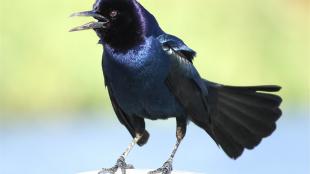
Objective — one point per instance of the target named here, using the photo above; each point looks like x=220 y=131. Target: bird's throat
x=123 y=41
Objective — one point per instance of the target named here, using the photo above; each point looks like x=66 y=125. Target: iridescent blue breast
x=137 y=79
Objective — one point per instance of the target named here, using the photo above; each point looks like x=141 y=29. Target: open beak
x=102 y=21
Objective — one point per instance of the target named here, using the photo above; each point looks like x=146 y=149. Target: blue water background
x=94 y=140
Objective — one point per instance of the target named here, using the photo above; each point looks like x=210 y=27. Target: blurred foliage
x=43 y=67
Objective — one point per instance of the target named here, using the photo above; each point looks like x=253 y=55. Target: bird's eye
x=113 y=13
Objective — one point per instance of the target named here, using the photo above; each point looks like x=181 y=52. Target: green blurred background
x=44 y=68
x=56 y=117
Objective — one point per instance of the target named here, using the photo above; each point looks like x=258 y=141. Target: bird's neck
x=131 y=58
x=123 y=41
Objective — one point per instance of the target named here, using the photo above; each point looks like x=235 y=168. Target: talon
x=165 y=169
x=111 y=170
x=120 y=164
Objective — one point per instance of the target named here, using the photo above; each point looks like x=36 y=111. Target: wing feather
x=183 y=79
x=134 y=124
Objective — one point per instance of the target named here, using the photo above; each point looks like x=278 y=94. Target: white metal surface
x=139 y=171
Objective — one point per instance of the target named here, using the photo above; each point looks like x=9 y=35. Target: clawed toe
x=109 y=170
x=165 y=169
x=120 y=164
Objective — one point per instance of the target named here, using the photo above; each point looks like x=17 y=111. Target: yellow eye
x=113 y=13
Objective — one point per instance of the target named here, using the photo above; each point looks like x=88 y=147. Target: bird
x=149 y=74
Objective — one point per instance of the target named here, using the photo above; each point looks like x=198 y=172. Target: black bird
x=150 y=74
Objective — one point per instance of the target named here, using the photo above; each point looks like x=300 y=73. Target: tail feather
x=252 y=119
x=241 y=134
x=241 y=116
x=260 y=111
x=252 y=97
x=266 y=88
x=229 y=145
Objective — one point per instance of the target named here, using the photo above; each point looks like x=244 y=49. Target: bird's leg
x=120 y=163
x=180 y=133
x=167 y=166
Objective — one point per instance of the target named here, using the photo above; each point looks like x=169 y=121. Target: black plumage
x=150 y=74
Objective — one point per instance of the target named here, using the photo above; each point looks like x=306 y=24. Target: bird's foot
x=165 y=169
x=120 y=164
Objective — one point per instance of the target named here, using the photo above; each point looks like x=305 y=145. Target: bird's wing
x=134 y=124
x=191 y=91
x=183 y=79
x=178 y=46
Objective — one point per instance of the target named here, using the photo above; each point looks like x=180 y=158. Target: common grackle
x=149 y=74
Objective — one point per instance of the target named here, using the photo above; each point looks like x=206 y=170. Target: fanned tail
x=241 y=116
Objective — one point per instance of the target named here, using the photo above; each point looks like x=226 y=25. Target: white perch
x=139 y=171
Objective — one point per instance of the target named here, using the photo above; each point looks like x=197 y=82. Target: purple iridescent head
x=119 y=22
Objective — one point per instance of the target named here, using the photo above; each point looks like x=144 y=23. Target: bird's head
x=119 y=22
